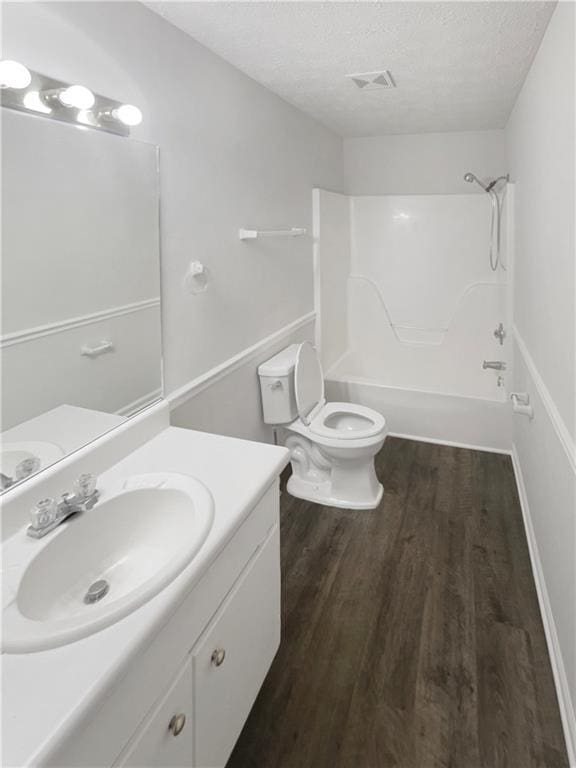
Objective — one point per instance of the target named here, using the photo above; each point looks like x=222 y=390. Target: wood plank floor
x=411 y=634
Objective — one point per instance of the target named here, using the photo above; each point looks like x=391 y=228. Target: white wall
x=541 y=151
x=231 y=155
x=428 y=163
x=228 y=401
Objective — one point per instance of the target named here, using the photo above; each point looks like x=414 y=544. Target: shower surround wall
x=419 y=304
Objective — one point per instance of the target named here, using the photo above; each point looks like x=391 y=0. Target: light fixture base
x=31 y=100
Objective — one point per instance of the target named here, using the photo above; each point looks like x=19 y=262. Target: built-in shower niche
x=420 y=305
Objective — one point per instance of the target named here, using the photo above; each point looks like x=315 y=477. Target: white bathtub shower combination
x=407 y=306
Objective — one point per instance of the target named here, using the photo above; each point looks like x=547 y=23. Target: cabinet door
x=233 y=655
x=166 y=737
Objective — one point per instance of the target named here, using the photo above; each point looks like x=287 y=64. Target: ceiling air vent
x=370 y=81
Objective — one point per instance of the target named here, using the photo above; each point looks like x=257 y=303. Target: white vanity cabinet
x=234 y=654
x=197 y=722
x=185 y=697
x=166 y=737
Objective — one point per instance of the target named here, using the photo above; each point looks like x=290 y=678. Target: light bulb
x=77 y=96
x=33 y=101
x=14 y=75
x=128 y=114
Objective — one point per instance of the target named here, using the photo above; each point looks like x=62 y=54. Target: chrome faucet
x=495 y=365
x=48 y=513
x=23 y=469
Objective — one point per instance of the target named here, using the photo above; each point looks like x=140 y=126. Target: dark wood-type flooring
x=411 y=634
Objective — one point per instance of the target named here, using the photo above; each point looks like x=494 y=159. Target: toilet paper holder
x=521 y=404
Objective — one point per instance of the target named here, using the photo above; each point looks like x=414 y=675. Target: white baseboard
x=558 y=670
x=451 y=443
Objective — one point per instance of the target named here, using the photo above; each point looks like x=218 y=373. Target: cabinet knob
x=176 y=725
x=218 y=657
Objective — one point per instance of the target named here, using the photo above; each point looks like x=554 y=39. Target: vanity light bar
x=32 y=92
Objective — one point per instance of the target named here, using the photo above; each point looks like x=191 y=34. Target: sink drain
x=96 y=591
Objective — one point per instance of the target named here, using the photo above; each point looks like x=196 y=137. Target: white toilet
x=332 y=444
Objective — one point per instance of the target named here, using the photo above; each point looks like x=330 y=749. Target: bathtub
x=431 y=416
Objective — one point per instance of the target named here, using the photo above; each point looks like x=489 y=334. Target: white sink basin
x=137 y=540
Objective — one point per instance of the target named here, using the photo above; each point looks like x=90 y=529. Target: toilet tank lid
x=282 y=364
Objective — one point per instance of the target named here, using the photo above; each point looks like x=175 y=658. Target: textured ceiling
x=458 y=66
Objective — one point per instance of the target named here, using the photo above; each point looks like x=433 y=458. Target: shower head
x=469 y=177
x=492 y=184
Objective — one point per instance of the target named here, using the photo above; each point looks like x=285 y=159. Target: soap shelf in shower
x=254 y=234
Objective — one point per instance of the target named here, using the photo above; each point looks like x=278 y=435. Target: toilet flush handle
x=276 y=384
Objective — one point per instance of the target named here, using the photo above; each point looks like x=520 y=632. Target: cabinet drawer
x=166 y=737
x=233 y=655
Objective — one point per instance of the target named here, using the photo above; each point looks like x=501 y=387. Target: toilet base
x=336 y=475
x=321 y=493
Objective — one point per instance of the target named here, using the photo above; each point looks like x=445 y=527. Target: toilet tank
x=277 y=386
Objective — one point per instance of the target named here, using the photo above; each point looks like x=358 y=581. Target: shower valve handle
x=500 y=333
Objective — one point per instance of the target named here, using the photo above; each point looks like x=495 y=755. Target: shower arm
x=471 y=177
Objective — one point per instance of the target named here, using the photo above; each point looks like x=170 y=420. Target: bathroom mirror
x=81 y=341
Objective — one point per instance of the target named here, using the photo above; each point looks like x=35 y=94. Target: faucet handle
x=85 y=486
x=27 y=467
x=43 y=514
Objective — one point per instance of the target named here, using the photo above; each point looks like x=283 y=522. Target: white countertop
x=45 y=693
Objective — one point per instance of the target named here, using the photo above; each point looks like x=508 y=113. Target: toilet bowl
x=332 y=445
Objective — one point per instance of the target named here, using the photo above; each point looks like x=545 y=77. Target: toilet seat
x=336 y=439
x=347 y=421
x=329 y=422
